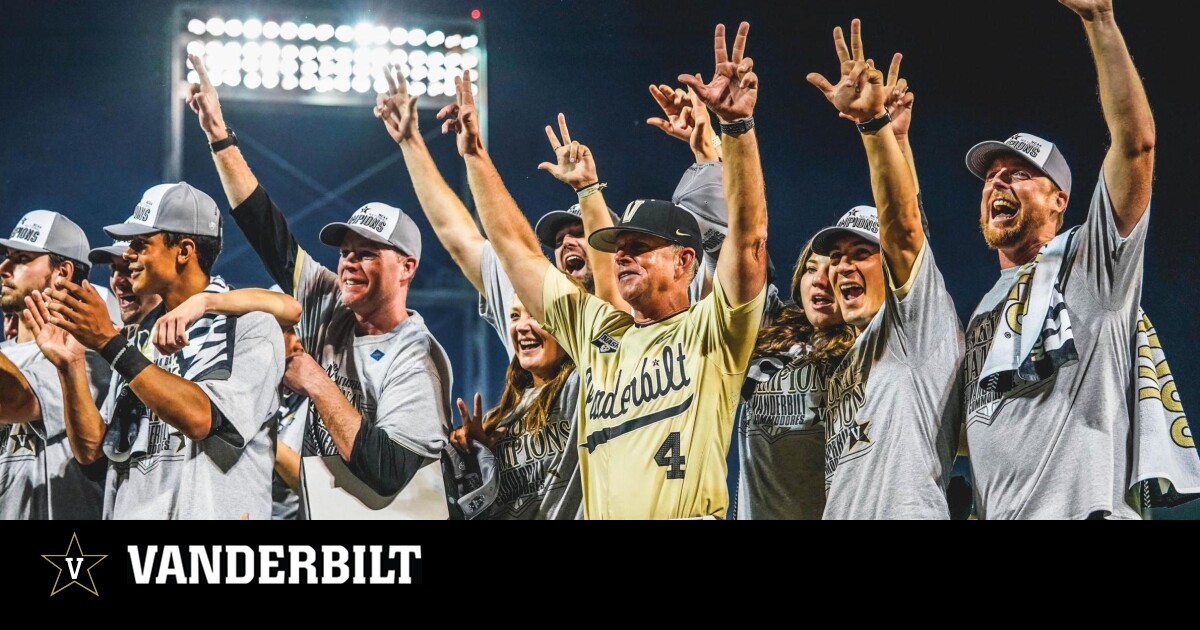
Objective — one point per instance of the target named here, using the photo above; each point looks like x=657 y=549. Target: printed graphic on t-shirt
x=847 y=437
x=317 y=439
x=980 y=403
x=784 y=403
x=18 y=442
x=524 y=461
x=209 y=356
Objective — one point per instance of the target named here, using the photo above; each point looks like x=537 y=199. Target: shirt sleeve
x=497 y=296
x=247 y=395
x=1111 y=265
x=728 y=334
x=919 y=311
x=410 y=408
x=574 y=316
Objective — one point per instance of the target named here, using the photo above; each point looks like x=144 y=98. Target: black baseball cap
x=655 y=217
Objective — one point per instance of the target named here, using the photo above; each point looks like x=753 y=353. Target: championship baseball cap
x=548 y=226
x=103 y=255
x=655 y=217
x=178 y=208
x=1037 y=151
x=48 y=232
x=860 y=221
x=381 y=223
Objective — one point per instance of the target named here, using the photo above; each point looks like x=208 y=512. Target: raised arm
x=170 y=331
x=446 y=213
x=732 y=94
x=80 y=311
x=576 y=167
x=84 y=425
x=236 y=178
x=511 y=235
x=1129 y=164
x=860 y=95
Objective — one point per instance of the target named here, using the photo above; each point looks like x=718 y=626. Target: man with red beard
x=1050 y=432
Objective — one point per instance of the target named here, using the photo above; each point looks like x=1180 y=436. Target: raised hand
x=397 y=109
x=79 y=310
x=1088 y=9
x=462 y=118
x=733 y=90
x=472 y=428
x=170 y=331
x=687 y=119
x=900 y=104
x=576 y=167
x=204 y=102
x=860 y=94
x=59 y=347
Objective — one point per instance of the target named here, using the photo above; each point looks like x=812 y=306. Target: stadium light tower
x=275 y=55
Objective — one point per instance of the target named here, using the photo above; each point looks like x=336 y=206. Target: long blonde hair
x=517 y=380
x=790 y=326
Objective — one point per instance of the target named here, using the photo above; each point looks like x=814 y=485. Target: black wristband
x=875 y=124
x=737 y=127
x=124 y=358
x=224 y=143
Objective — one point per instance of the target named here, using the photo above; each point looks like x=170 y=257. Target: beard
x=10 y=302
x=1015 y=234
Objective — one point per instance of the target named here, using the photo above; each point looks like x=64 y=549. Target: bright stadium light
x=314 y=58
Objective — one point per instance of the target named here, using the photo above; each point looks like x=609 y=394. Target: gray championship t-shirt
x=228 y=473
x=399 y=381
x=781 y=437
x=539 y=472
x=1059 y=448
x=892 y=406
x=39 y=477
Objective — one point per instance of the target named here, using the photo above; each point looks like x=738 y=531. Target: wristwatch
x=225 y=143
x=875 y=124
x=737 y=127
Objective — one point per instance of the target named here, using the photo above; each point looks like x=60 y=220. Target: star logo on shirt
x=859 y=436
x=23 y=439
x=77 y=565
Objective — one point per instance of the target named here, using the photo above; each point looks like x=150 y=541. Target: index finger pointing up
x=201 y=71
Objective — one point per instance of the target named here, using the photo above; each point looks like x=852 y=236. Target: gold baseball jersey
x=657 y=400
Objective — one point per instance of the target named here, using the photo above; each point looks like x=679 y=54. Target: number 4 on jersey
x=664 y=457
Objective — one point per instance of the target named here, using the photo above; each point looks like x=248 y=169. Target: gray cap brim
x=548 y=226
x=126 y=231
x=22 y=246
x=605 y=239
x=334 y=233
x=822 y=241
x=104 y=255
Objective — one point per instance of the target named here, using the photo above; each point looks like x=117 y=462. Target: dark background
x=85 y=99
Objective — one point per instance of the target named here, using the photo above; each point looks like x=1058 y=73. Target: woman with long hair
x=532 y=431
x=781 y=431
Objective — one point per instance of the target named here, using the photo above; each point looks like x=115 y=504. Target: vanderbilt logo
x=655 y=378
x=631 y=210
x=605 y=343
x=76 y=565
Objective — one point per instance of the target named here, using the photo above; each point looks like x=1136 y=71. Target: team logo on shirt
x=527 y=458
x=17 y=440
x=847 y=436
x=605 y=343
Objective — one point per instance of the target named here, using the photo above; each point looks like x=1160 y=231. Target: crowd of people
x=638 y=351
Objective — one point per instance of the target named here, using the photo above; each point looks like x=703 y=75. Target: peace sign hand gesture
x=733 y=90
x=861 y=93
x=472 y=428
x=396 y=108
x=576 y=167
